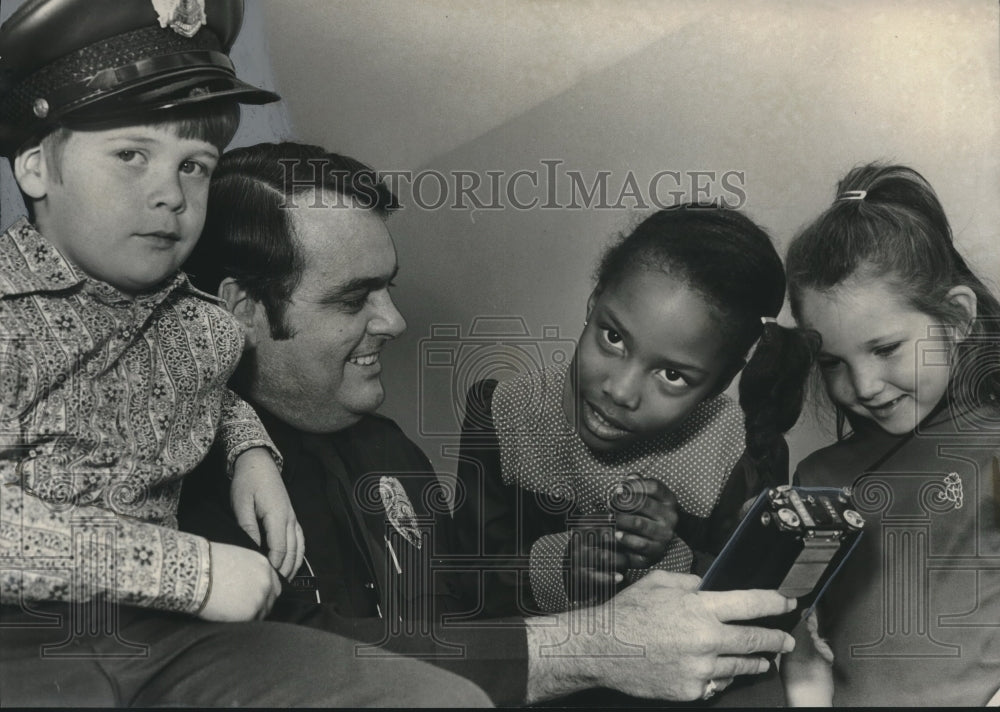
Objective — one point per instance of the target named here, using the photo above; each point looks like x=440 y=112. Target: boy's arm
x=257 y=492
x=66 y=552
x=240 y=430
x=59 y=552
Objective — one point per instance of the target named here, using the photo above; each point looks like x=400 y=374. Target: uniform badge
x=185 y=17
x=398 y=509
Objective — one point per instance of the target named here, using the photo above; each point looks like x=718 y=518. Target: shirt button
x=370 y=586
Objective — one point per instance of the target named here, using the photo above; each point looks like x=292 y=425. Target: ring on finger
x=710 y=688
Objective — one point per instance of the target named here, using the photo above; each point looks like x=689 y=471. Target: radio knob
x=789 y=517
x=853 y=519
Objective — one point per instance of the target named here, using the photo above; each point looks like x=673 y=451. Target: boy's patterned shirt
x=106 y=402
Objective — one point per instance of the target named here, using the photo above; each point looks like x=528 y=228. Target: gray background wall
x=791 y=94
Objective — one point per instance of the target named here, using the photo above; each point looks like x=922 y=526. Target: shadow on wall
x=784 y=113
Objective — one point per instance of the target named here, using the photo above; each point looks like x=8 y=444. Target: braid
x=772 y=391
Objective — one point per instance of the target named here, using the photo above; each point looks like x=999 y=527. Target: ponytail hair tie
x=853 y=195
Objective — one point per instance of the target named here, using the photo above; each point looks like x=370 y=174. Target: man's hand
x=257 y=493
x=244 y=586
x=660 y=638
x=645 y=515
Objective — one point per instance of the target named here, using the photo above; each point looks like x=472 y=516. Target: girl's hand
x=807 y=672
x=595 y=568
x=645 y=516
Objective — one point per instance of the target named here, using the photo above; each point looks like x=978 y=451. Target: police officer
x=99 y=608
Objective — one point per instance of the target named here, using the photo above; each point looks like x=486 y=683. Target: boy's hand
x=645 y=515
x=257 y=493
x=244 y=586
x=595 y=568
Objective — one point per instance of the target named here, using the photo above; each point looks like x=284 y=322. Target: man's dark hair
x=248 y=233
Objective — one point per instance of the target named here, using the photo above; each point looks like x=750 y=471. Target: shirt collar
x=29 y=263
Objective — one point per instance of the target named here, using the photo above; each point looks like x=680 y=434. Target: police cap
x=81 y=62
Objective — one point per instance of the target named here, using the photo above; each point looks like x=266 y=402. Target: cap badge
x=185 y=17
x=40 y=108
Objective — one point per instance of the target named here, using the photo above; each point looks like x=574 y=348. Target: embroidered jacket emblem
x=399 y=509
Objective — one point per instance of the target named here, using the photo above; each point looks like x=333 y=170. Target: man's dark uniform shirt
x=363 y=576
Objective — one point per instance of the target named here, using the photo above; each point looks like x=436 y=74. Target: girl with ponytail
x=630 y=456
x=910 y=358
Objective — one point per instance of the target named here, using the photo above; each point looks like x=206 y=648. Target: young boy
x=112 y=379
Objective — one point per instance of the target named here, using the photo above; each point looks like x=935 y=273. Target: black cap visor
x=155 y=83
x=141 y=101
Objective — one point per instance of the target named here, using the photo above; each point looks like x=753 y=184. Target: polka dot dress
x=540 y=452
